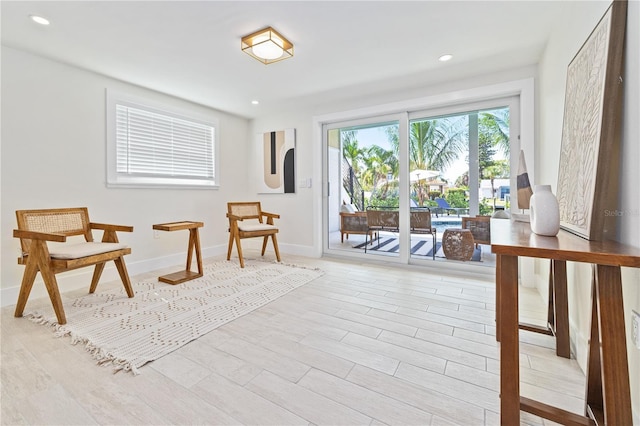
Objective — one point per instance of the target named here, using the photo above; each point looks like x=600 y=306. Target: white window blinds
x=151 y=144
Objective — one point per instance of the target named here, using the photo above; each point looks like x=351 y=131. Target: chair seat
x=244 y=227
x=79 y=250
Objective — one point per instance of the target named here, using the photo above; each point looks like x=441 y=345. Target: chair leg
x=97 y=273
x=265 y=239
x=124 y=275
x=39 y=260
x=30 y=272
x=230 y=246
x=275 y=246
x=54 y=294
x=433 y=252
x=366 y=241
x=237 y=238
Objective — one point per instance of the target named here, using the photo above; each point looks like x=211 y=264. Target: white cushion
x=347 y=208
x=501 y=214
x=84 y=249
x=248 y=227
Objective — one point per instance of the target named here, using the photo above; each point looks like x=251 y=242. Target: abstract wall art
x=276 y=162
x=589 y=154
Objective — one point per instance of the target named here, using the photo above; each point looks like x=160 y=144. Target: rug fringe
x=102 y=357
x=294 y=265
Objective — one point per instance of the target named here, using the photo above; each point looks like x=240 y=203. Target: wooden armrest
x=108 y=227
x=32 y=235
x=273 y=215
x=234 y=217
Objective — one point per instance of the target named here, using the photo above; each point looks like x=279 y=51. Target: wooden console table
x=608 y=396
x=194 y=245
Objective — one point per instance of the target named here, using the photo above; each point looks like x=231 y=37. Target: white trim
x=113 y=180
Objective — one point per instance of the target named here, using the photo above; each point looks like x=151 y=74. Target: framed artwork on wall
x=276 y=162
x=589 y=155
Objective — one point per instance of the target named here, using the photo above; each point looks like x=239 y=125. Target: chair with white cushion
x=246 y=220
x=43 y=239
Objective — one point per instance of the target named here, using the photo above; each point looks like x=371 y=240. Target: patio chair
x=381 y=220
x=353 y=222
x=246 y=221
x=420 y=222
x=443 y=206
x=480 y=227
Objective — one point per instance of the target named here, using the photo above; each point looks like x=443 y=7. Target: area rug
x=419 y=247
x=130 y=332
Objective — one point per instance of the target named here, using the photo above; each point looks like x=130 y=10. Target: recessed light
x=255 y=102
x=445 y=58
x=39 y=19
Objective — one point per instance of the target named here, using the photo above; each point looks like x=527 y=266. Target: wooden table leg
x=560 y=297
x=509 y=345
x=194 y=246
x=498 y=273
x=615 y=392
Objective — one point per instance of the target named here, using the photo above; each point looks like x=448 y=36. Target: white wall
x=581 y=18
x=53 y=155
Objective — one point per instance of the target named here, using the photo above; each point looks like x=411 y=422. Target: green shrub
x=434 y=194
x=457 y=197
x=485 y=208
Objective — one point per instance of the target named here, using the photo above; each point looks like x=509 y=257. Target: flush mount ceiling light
x=445 y=58
x=39 y=19
x=267 y=46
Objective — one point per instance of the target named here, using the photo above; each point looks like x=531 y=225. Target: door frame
x=523 y=88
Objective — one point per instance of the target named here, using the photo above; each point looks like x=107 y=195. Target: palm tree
x=350 y=149
x=499 y=169
x=436 y=144
x=433 y=144
x=494 y=125
x=381 y=163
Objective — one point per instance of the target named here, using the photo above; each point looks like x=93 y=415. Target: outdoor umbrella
x=419 y=174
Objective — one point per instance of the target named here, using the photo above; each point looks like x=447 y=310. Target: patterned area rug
x=161 y=318
x=419 y=247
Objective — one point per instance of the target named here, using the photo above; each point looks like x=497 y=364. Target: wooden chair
x=353 y=222
x=381 y=220
x=420 y=222
x=38 y=230
x=480 y=227
x=246 y=221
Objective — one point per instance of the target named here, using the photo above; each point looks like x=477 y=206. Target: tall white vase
x=544 y=211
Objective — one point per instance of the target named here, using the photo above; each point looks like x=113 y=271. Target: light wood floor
x=364 y=344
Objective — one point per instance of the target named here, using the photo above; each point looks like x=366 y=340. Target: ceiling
x=191 y=49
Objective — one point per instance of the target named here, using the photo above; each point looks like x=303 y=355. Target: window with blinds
x=151 y=148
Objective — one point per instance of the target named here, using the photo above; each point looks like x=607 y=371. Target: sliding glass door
x=394 y=179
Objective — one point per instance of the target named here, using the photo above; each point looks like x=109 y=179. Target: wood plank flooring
x=365 y=344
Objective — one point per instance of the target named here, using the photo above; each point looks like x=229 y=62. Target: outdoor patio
x=421 y=245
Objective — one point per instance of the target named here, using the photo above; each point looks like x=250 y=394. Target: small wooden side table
x=194 y=245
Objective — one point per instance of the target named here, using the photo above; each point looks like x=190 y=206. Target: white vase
x=544 y=211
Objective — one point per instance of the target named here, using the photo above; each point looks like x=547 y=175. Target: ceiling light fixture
x=267 y=46
x=445 y=58
x=39 y=19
